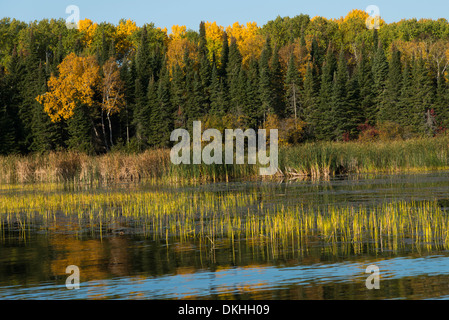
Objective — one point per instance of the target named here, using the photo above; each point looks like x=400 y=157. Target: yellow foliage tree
x=214 y=38
x=248 y=38
x=124 y=40
x=87 y=28
x=177 y=46
x=76 y=84
x=178 y=32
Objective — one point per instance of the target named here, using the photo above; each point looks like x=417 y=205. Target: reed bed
x=314 y=160
x=218 y=220
x=331 y=158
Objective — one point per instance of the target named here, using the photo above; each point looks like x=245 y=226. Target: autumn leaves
x=78 y=82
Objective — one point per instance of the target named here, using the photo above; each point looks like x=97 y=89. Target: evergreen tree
x=380 y=74
x=46 y=134
x=422 y=99
x=310 y=100
x=293 y=83
x=233 y=70
x=80 y=127
x=224 y=57
x=405 y=98
x=7 y=131
x=324 y=128
x=344 y=94
x=277 y=85
x=265 y=81
x=217 y=94
x=162 y=115
x=365 y=82
x=389 y=107
x=252 y=111
x=442 y=104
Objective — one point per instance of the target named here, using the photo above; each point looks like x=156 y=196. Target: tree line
x=102 y=87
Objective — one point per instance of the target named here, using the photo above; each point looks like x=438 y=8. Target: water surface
x=118 y=259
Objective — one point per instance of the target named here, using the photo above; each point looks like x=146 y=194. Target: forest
x=103 y=87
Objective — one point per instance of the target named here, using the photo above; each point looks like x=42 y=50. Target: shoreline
x=309 y=161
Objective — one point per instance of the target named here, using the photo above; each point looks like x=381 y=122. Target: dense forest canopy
x=102 y=86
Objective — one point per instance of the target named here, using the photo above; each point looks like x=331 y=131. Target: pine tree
x=405 y=99
x=277 y=85
x=217 y=94
x=310 y=100
x=7 y=131
x=178 y=96
x=265 y=81
x=141 y=113
x=233 y=70
x=324 y=128
x=224 y=59
x=293 y=84
x=14 y=80
x=422 y=99
x=389 y=107
x=143 y=61
x=380 y=74
x=46 y=134
x=252 y=111
x=162 y=115
x=344 y=94
x=80 y=127
x=365 y=82
x=442 y=104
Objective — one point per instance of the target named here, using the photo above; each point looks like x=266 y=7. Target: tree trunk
x=104 y=130
x=110 y=129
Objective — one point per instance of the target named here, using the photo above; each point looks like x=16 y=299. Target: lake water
x=118 y=259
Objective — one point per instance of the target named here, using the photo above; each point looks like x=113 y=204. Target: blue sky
x=192 y=12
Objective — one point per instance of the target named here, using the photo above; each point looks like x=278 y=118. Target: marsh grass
x=312 y=160
x=213 y=221
x=331 y=158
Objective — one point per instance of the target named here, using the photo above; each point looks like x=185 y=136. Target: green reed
x=218 y=220
x=315 y=160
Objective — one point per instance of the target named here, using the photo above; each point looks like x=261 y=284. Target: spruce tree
x=253 y=111
x=405 y=98
x=324 y=127
x=293 y=85
x=310 y=100
x=162 y=115
x=365 y=82
x=389 y=107
x=233 y=70
x=217 y=94
x=46 y=134
x=343 y=117
x=224 y=59
x=422 y=99
x=265 y=81
x=277 y=85
x=380 y=74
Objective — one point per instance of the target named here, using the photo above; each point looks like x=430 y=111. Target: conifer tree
x=277 y=85
x=380 y=74
x=365 y=82
x=293 y=84
x=265 y=81
x=389 y=107
x=324 y=128
x=233 y=70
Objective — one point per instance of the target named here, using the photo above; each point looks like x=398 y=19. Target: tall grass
x=331 y=158
x=215 y=220
x=315 y=160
